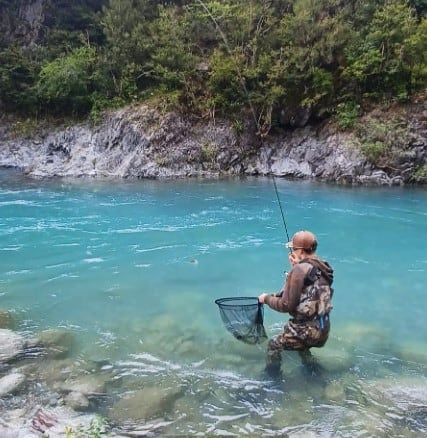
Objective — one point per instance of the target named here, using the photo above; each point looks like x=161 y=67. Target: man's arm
x=291 y=293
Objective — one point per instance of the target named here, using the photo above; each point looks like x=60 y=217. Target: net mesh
x=243 y=317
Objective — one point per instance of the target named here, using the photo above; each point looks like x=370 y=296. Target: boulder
x=77 y=401
x=11 y=383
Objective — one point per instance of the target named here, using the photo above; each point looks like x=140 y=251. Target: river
x=132 y=269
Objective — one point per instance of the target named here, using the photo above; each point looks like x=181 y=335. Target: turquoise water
x=132 y=269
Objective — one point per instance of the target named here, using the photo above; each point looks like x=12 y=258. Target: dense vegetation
x=283 y=62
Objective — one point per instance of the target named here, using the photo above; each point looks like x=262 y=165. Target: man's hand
x=293 y=258
x=261 y=298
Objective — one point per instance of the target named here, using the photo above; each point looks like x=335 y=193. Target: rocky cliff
x=23 y=20
x=142 y=142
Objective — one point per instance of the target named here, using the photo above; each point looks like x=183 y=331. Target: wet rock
x=11 y=432
x=54 y=422
x=77 y=401
x=11 y=345
x=11 y=383
x=16 y=423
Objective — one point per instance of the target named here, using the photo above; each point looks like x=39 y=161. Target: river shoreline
x=142 y=142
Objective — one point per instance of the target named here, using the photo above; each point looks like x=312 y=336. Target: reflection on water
x=132 y=269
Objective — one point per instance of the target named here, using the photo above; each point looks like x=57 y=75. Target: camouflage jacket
x=307 y=292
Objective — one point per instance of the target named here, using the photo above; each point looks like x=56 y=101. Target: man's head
x=303 y=240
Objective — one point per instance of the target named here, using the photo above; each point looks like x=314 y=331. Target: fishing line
x=242 y=82
x=241 y=315
x=281 y=209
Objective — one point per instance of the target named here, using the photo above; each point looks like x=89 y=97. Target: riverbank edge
x=141 y=141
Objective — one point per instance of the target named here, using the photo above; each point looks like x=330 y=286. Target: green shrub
x=238 y=127
x=24 y=128
x=420 y=174
x=209 y=152
x=374 y=151
x=347 y=113
x=162 y=161
x=96 y=429
x=382 y=140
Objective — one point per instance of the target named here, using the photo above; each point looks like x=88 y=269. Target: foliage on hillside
x=284 y=63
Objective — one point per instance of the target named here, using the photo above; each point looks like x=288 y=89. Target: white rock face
x=140 y=142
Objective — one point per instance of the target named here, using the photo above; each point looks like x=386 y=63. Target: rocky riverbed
x=47 y=389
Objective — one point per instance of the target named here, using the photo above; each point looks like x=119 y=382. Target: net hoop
x=237 y=301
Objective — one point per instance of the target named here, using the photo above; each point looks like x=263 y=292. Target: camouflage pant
x=297 y=336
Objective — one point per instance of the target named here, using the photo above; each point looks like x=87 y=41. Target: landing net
x=243 y=317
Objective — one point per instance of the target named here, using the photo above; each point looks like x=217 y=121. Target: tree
x=65 y=84
x=382 y=56
x=172 y=63
x=17 y=75
x=234 y=39
x=312 y=39
x=126 y=25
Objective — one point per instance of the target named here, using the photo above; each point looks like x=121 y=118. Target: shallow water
x=132 y=268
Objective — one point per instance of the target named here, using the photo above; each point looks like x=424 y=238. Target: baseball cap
x=303 y=240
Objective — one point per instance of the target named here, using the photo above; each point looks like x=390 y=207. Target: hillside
x=265 y=73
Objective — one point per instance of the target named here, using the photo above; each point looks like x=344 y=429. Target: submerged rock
x=53 y=371
x=6 y=320
x=146 y=404
x=90 y=384
x=369 y=337
x=335 y=391
x=404 y=392
x=56 y=343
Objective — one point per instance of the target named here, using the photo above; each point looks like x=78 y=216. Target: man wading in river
x=306 y=296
